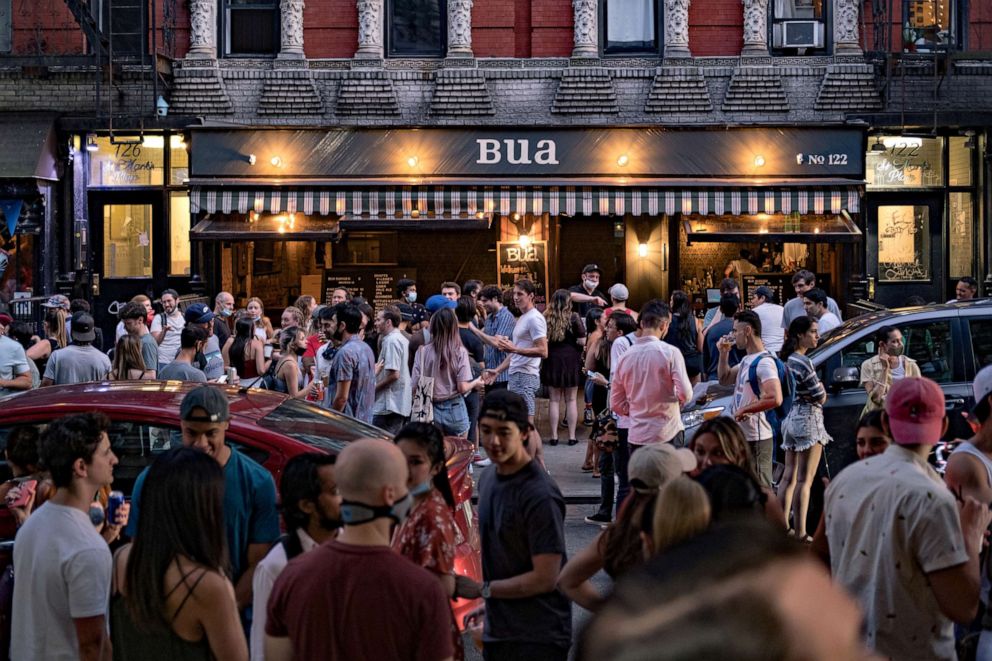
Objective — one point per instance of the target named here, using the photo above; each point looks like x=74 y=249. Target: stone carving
x=586 y=34
x=677 y=28
x=369 y=29
x=202 y=30
x=846 y=38
x=459 y=28
x=755 y=27
x=291 y=36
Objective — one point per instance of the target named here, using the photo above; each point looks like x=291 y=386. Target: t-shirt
x=472 y=344
x=756 y=427
x=898 y=495
x=249 y=508
x=809 y=388
x=529 y=328
x=711 y=352
x=446 y=381
x=827 y=322
x=500 y=323
x=13 y=362
x=181 y=371
x=221 y=330
x=353 y=362
x=355 y=602
x=772 y=333
x=520 y=516
x=63 y=573
x=168 y=348
x=395 y=398
x=149 y=351
x=262 y=581
x=795 y=308
x=583 y=308
x=77 y=363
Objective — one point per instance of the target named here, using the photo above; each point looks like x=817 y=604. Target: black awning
x=791 y=228
x=28 y=147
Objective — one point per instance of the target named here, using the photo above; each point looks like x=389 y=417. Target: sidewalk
x=564 y=462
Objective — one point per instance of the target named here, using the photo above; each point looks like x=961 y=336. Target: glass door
x=905 y=248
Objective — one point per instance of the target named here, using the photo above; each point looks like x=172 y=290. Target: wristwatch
x=485 y=591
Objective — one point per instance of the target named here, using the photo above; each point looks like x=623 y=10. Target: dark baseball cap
x=765 y=293
x=507 y=406
x=82 y=327
x=209 y=399
x=198 y=313
x=592 y=268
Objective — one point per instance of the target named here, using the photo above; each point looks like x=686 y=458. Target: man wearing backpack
x=758 y=390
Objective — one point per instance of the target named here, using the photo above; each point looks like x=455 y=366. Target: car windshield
x=323 y=429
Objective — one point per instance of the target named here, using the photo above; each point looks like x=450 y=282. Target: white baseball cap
x=983 y=388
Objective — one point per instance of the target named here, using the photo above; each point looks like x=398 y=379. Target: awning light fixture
x=276 y=161
x=251 y=159
x=524 y=240
x=623 y=160
x=759 y=161
x=412 y=161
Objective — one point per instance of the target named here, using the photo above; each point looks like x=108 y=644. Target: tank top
x=966 y=447
x=130 y=642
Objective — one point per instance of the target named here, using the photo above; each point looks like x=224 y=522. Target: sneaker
x=599 y=519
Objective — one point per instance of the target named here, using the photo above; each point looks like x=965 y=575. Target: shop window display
x=903 y=243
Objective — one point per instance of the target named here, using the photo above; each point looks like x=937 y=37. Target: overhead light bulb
x=412 y=161
x=759 y=161
x=276 y=161
x=515 y=216
x=623 y=160
x=524 y=240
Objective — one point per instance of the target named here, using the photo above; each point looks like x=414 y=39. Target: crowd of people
x=707 y=551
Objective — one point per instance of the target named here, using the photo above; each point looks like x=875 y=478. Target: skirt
x=803 y=427
x=562 y=367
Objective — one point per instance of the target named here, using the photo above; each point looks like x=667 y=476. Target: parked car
x=267 y=426
x=950 y=342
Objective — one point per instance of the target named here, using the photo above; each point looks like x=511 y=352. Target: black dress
x=693 y=359
x=563 y=365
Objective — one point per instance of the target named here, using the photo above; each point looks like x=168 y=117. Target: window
x=929 y=25
x=179 y=244
x=798 y=25
x=127 y=241
x=127 y=26
x=251 y=27
x=631 y=26
x=981 y=342
x=904 y=162
x=132 y=161
x=416 y=28
x=136 y=444
x=928 y=343
x=5 y=25
x=903 y=243
x=961 y=227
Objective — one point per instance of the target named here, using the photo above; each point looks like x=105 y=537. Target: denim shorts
x=526 y=386
x=452 y=416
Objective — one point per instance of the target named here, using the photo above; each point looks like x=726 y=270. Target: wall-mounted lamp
x=251 y=159
x=515 y=216
x=623 y=160
x=91 y=144
x=878 y=146
x=276 y=161
x=642 y=250
x=759 y=161
x=524 y=240
x=412 y=161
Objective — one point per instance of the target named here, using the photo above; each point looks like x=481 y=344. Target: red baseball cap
x=5 y=319
x=915 y=407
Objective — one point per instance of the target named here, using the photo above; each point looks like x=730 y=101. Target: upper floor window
x=416 y=28
x=930 y=25
x=798 y=25
x=251 y=27
x=631 y=26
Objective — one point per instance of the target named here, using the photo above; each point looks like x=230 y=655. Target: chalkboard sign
x=377 y=285
x=780 y=283
x=516 y=262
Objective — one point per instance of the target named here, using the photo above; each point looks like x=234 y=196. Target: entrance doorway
x=905 y=248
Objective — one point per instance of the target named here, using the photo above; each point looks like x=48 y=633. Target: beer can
x=232 y=374
x=114 y=501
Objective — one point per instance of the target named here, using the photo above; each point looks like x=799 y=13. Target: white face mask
x=411 y=296
x=590 y=284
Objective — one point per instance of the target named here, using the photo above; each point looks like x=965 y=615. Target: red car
x=267 y=426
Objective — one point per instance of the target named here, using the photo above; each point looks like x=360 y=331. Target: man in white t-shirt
x=815 y=302
x=770 y=313
x=167 y=328
x=15 y=371
x=63 y=564
x=749 y=408
x=392 y=381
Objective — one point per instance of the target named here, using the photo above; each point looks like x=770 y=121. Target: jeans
x=761 y=453
x=607 y=483
x=391 y=422
x=473 y=402
x=452 y=416
x=622 y=455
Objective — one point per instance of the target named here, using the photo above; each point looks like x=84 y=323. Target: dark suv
x=949 y=342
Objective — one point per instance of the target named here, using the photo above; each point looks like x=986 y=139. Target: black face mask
x=354 y=513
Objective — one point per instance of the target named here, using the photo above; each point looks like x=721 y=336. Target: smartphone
x=27 y=489
x=222 y=379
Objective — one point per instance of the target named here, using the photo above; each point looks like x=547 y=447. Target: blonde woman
x=560 y=372
x=263 y=325
x=55 y=338
x=681 y=511
x=129 y=365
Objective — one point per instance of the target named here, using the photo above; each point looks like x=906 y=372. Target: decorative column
x=203 y=30
x=369 y=29
x=586 y=33
x=846 y=38
x=677 y=28
x=755 y=28
x=460 y=28
x=291 y=34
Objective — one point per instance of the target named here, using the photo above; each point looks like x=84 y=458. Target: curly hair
x=559 y=315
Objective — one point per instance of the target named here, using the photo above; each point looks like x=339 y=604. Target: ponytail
x=799 y=326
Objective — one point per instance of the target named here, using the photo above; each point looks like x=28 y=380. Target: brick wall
x=716 y=27
x=495 y=32
x=551 y=28
x=331 y=28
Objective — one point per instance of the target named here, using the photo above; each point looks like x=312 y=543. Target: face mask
x=589 y=284
x=411 y=296
x=354 y=513
x=422 y=488
x=226 y=313
x=895 y=351
x=299 y=351
x=256 y=318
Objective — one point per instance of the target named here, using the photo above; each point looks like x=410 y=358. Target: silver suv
x=950 y=342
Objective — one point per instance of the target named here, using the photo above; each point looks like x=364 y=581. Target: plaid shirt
x=501 y=323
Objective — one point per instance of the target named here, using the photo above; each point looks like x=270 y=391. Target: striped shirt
x=501 y=323
x=809 y=388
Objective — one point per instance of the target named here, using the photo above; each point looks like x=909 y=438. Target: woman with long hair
x=595 y=393
x=171 y=599
x=803 y=432
x=288 y=376
x=245 y=352
x=55 y=338
x=681 y=511
x=129 y=365
x=684 y=334
x=560 y=372
x=446 y=361
x=428 y=537
x=263 y=325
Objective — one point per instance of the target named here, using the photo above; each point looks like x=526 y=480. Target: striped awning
x=388 y=202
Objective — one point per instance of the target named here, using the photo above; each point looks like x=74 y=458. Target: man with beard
x=311 y=509
x=167 y=328
x=346 y=363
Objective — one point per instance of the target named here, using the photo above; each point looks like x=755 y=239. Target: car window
x=981 y=342
x=136 y=444
x=928 y=343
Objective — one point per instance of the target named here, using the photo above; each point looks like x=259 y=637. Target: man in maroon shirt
x=354 y=597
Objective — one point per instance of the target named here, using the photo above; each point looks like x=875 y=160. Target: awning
x=28 y=147
x=385 y=202
x=787 y=228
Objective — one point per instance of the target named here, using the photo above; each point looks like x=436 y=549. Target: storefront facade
x=277 y=213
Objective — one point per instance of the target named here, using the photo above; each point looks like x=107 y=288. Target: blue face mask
x=226 y=313
x=411 y=296
x=422 y=488
x=355 y=513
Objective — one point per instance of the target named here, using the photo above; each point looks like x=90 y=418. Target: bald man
x=353 y=597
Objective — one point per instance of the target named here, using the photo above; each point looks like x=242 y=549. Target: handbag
x=422 y=409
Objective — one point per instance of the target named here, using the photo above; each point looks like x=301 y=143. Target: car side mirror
x=845 y=377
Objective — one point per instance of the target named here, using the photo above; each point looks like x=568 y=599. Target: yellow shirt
x=877 y=371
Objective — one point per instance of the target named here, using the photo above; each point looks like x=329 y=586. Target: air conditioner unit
x=798 y=34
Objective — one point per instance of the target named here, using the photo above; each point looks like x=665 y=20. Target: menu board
x=515 y=262
x=780 y=283
x=377 y=285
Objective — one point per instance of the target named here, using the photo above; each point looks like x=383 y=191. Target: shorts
x=451 y=415
x=525 y=385
x=803 y=428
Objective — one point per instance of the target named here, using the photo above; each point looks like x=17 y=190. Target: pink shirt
x=649 y=386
